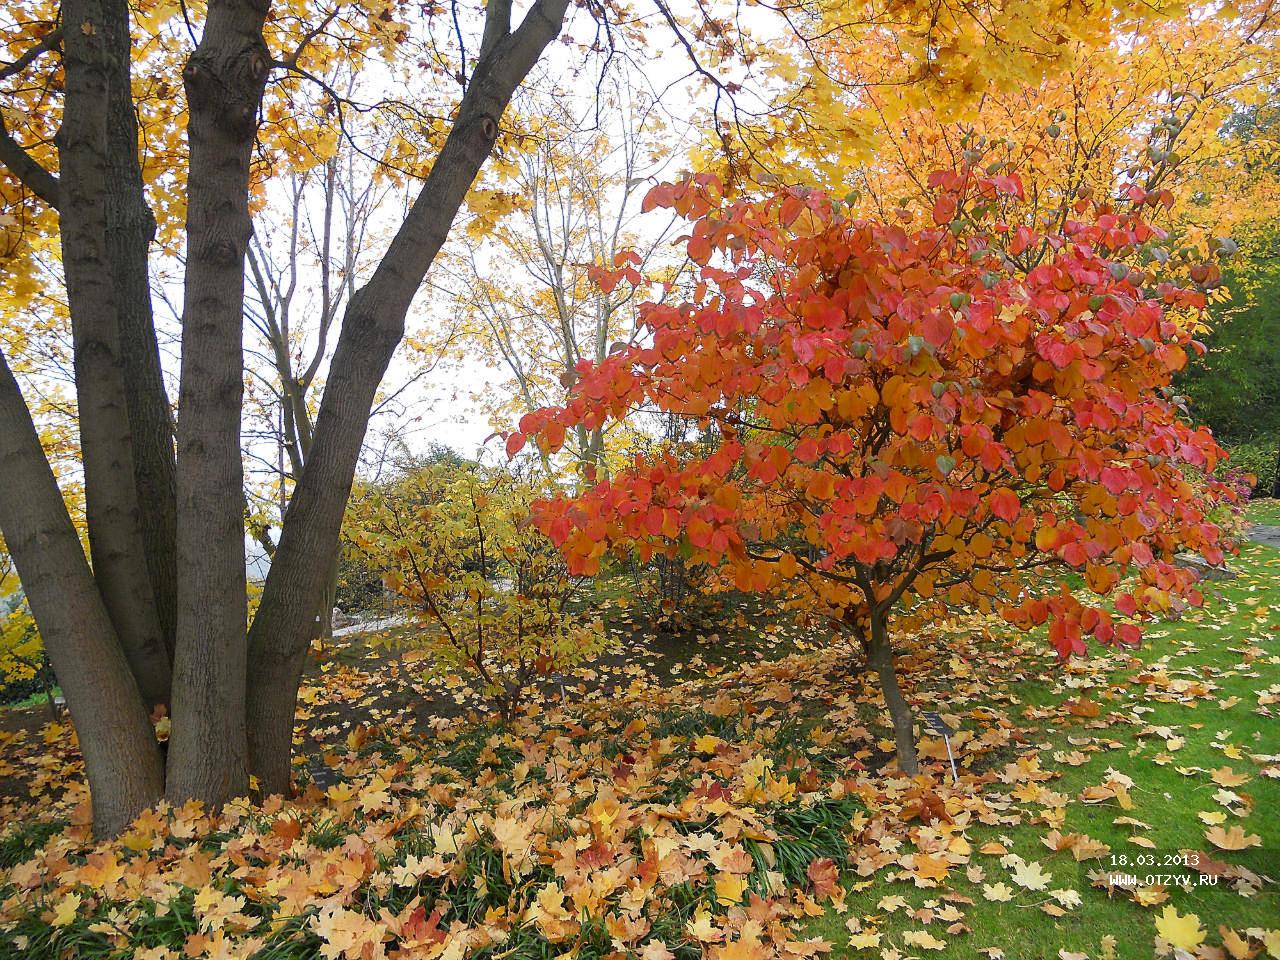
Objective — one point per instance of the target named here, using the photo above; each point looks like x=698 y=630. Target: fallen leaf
x=1233 y=839
x=923 y=939
x=999 y=892
x=1032 y=876
x=1180 y=930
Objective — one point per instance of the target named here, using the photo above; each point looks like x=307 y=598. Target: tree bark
x=1275 y=481
x=324 y=626
x=880 y=655
x=371 y=329
x=121 y=756
x=131 y=228
x=224 y=80
x=115 y=534
x=26 y=170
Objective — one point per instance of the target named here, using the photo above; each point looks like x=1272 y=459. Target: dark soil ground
x=367 y=679
x=395 y=691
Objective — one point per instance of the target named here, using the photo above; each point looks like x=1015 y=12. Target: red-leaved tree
x=911 y=424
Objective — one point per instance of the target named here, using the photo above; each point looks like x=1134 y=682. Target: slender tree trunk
x=111 y=505
x=224 y=80
x=121 y=756
x=1275 y=481
x=371 y=329
x=46 y=684
x=880 y=656
x=324 y=629
x=130 y=229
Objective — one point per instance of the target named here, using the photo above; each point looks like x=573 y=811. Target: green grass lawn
x=1265 y=511
x=1224 y=658
x=35 y=700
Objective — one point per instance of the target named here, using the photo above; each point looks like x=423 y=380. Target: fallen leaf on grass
x=923 y=939
x=65 y=911
x=1032 y=876
x=1226 y=777
x=1233 y=839
x=1180 y=930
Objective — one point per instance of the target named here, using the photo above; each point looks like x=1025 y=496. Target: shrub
x=913 y=423
x=1258 y=458
x=455 y=546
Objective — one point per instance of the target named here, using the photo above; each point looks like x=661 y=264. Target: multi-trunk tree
x=160 y=618
x=911 y=424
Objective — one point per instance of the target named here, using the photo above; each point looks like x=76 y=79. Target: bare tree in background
x=304 y=266
x=527 y=285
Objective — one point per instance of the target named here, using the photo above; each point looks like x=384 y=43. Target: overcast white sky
x=439 y=409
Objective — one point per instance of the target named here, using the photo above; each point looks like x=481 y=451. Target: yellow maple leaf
x=65 y=911
x=1150 y=896
x=746 y=947
x=1226 y=777
x=931 y=868
x=1233 y=839
x=1180 y=930
x=730 y=888
x=998 y=892
x=1236 y=945
x=1031 y=875
x=702 y=929
x=923 y=939
x=347 y=933
x=865 y=940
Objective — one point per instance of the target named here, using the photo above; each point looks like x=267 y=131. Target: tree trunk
x=46 y=684
x=130 y=230
x=371 y=329
x=111 y=505
x=121 y=756
x=224 y=80
x=324 y=628
x=880 y=655
x=1275 y=481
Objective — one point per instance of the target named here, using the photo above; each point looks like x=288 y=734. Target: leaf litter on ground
x=703 y=810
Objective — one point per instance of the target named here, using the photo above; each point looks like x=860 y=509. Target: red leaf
x=944 y=209
x=1005 y=504
x=663 y=195
x=937 y=328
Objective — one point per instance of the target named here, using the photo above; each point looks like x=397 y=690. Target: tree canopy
x=910 y=423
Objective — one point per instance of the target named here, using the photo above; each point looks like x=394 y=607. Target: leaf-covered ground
x=745 y=813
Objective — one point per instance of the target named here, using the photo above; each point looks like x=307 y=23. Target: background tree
x=310 y=252
x=1150 y=108
x=1182 y=104
x=1234 y=389
x=910 y=423
x=522 y=276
